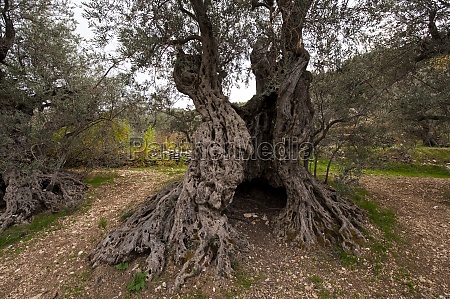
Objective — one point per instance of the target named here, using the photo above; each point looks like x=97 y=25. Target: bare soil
x=54 y=263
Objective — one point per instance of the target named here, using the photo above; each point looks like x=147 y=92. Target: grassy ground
x=25 y=232
x=420 y=162
x=410 y=170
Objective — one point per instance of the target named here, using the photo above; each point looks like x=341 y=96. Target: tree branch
x=444 y=3
x=186 y=12
x=330 y=125
x=434 y=117
x=210 y=55
x=186 y=39
x=432 y=28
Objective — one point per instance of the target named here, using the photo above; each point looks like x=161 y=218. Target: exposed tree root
x=146 y=231
x=185 y=221
x=317 y=215
x=26 y=195
x=197 y=237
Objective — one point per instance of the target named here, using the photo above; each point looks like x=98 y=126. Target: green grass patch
x=321 y=168
x=410 y=170
x=14 y=234
x=243 y=280
x=73 y=287
x=316 y=279
x=437 y=155
x=138 y=282
x=383 y=219
x=122 y=266
x=102 y=223
x=348 y=260
x=125 y=215
x=427 y=162
x=171 y=171
x=97 y=179
x=196 y=295
x=325 y=294
x=318 y=282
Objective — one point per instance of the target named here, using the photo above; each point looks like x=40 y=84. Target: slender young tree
x=186 y=222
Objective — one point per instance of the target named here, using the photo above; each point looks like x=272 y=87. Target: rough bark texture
x=279 y=122
x=6 y=39
x=186 y=222
x=25 y=195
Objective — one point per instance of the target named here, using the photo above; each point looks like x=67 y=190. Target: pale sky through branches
x=241 y=94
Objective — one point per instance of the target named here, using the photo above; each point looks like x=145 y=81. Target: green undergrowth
x=394 y=161
x=410 y=170
x=74 y=285
x=436 y=155
x=45 y=220
x=197 y=294
x=171 y=171
x=322 y=292
x=25 y=232
x=384 y=220
x=243 y=282
x=97 y=179
x=138 y=283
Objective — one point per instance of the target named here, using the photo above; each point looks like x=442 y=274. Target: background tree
x=50 y=96
x=392 y=87
x=420 y=37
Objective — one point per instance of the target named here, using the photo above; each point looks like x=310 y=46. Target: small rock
x=135 y=268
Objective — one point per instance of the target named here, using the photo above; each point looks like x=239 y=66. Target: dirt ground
x=54 y=263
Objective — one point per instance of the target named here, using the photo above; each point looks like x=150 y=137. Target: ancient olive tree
x=204 y=41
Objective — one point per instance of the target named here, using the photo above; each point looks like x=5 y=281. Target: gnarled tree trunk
x=280 y=122
x=187 y=221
